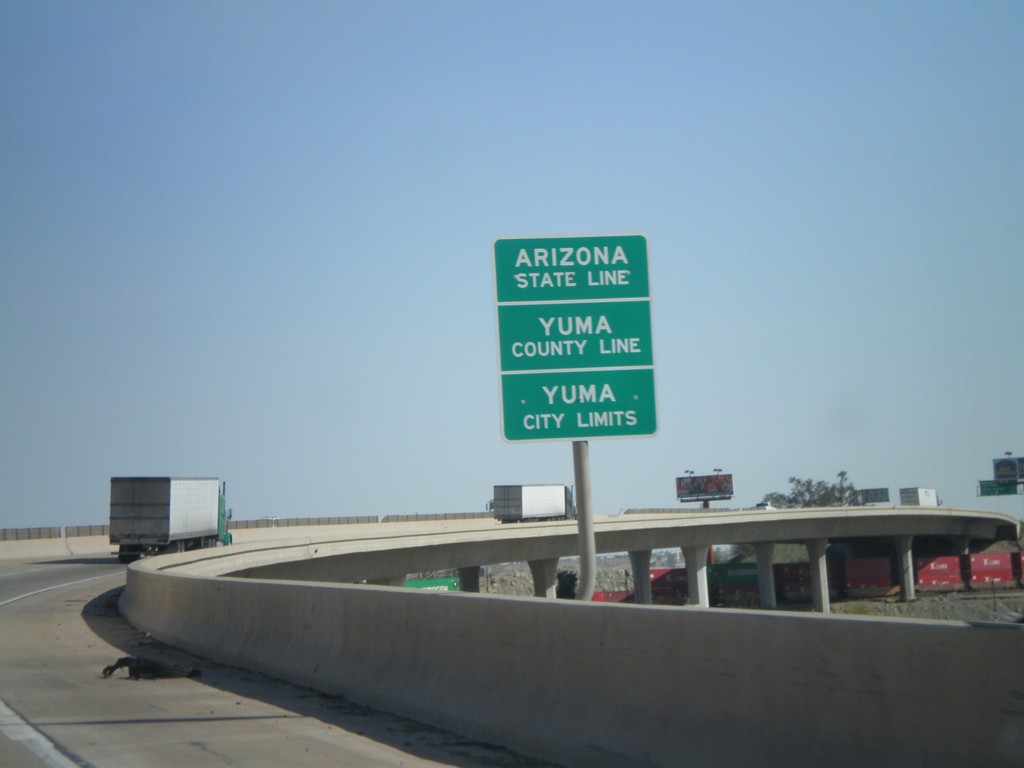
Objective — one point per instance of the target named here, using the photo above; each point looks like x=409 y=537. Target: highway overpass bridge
x=387 y=560
x=591 y=684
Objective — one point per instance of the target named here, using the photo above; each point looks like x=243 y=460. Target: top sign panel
x=571 y=268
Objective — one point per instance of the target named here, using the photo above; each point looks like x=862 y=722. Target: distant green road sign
x=574 y=337
x=995 y=488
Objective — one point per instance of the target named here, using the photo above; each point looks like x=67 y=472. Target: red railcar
x=870 y=577
x=939 y=574
x=669 y=585
x=992 y=571
x=617 y=596
x=857 y=577
x=793 y=580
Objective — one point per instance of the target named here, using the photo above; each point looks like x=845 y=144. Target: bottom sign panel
x=578 y=405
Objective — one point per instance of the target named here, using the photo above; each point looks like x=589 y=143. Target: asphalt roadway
x=59 y=629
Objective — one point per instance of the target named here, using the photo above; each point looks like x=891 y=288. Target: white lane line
x=16 y=729
x=58 y=586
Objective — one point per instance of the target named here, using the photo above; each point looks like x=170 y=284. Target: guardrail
x=28 y=534
x=289 y=522
x=73 y=531
x=53 y=532
x=421 y=518
x=292 y=522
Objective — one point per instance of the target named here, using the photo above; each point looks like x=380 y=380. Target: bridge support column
x=641 y=561
x=697 y=575
x=766 y=573
x=469 y=578
x=906 y=561
x=819 y=574
x=962 y=544
x=545 y=577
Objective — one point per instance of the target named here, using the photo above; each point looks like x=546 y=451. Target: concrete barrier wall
x=23 y=548
x=20 y=549
x=58 y=547
x=593 y=685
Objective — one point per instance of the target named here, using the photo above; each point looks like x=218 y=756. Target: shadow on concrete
x=422 y=741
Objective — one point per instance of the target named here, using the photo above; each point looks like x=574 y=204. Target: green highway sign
x=575 y=343
x=995 y=488
x=571 y=268
x=578 y=405
x=537 y=337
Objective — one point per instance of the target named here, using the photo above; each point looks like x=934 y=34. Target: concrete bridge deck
x=592 y=684
x=371 y=555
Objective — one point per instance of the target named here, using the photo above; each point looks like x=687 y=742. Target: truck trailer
x=919 y=497
x=152 y=515
x=519 y=503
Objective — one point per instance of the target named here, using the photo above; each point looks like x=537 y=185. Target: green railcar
x=436 y=585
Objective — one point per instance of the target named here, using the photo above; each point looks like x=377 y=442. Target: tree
x=566 y=587
x=810 y=493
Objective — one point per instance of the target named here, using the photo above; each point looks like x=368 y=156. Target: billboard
x=1008 y=470
x=704 y=487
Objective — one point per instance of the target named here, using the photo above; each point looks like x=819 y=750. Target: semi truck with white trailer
x=519 y=503
x=152 y=515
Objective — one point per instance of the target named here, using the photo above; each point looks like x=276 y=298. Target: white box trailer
x=918 y=497
x=517 y=503
x=150 y=515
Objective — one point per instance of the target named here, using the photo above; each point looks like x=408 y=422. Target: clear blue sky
x=254 y=241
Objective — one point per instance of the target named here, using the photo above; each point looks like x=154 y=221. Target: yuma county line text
x=579 y=325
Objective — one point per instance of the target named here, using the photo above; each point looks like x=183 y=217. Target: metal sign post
x=584 y=520
x=575 y=351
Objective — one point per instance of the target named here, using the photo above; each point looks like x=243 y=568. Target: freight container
x=669 y=586
x=151 y=515
x=617 y=596
x=732 y=582
x=793 y=580
x=918 y=497
x=518 y=503
x=870 y=577
x=992 y=571
x=450 y=584
x=939 y=574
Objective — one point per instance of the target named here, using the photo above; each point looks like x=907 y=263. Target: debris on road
x=148 y=669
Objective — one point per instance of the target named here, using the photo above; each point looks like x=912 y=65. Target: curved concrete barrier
x=590 y=684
